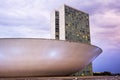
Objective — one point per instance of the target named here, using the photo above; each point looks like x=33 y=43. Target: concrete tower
x=72 y=25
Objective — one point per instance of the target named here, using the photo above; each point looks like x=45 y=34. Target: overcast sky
x=31 y=19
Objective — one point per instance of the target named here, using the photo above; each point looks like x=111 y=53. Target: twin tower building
x=71 y=25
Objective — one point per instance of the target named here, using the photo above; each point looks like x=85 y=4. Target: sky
x=31 y=19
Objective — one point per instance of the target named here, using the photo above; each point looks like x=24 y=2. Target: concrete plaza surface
x=65 y=78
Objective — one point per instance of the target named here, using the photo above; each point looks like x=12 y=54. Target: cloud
x=115 y=5
x=32 y=14
x=105 y=26
x=18 y=16
x=22 y=32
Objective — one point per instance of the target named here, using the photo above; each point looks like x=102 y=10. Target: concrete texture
x=42 y=57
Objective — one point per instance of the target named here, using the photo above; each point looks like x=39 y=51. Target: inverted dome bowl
x=43 y=57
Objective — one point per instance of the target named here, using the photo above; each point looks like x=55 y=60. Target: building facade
x=72 y=25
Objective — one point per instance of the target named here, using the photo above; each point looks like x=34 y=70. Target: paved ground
x=67 y=78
